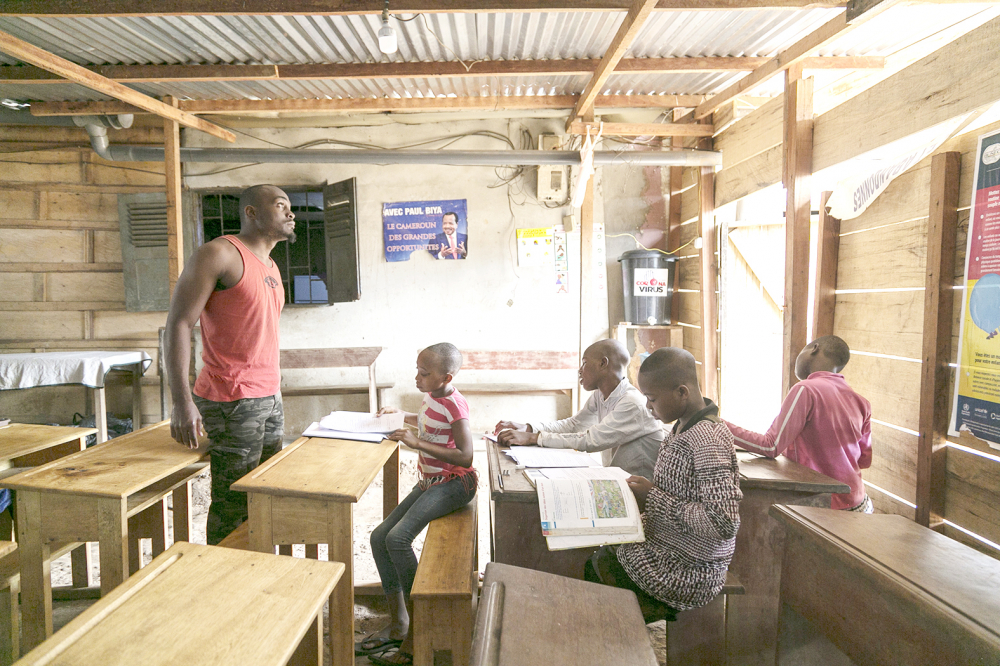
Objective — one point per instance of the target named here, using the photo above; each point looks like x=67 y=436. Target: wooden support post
x=586 y=272
x=827 y=256
x=175 y=221
x=709 y=285
x=797 y=172
x=935 y=407
x=674 y=228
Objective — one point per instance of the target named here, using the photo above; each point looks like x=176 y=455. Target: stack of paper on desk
x=532 y=456
x=357 y=426
x=587 y=507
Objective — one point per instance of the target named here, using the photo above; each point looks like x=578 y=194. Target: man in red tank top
x=234 y=288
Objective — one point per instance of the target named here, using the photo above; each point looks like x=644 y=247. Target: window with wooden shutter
x=143 y=223
x=341 y=216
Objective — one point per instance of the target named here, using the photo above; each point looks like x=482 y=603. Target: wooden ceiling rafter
x=380 y=105
x=401 y=70
x=629 y=29
x=74 y=73
x=120 y=8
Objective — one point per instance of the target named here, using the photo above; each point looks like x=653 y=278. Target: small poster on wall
x=534 y=247
x=439 y=227
x=976 y=408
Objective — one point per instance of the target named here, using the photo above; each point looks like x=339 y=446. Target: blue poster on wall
x=439 y=227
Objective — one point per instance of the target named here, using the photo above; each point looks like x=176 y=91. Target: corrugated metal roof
x=448 y=37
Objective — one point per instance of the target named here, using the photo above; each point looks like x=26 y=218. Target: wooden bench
x=521 y=361
x=698 y=637
x=444 y=588
x=346 y=357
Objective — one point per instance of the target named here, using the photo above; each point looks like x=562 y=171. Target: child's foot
x=391 y=657
x=377 y=642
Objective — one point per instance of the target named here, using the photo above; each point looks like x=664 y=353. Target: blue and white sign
x=440 y=227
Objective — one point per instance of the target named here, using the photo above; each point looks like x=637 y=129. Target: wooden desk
x=546 y=619
x=888 y=591
x=203 y=605
x=515 y=526
x=516 y=538
x=753 y=618
x=89 y=496
x=306 y=494
x=29 y=445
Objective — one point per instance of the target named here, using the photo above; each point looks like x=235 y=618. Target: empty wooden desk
x=306 y=494
x=540 y=618
x=752 y=619
x=886 y=590
x=203 y=605
x=89 y=496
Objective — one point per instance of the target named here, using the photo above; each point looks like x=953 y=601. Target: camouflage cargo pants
x=244 y=433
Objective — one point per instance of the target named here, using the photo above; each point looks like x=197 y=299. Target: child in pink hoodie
x=823 y=424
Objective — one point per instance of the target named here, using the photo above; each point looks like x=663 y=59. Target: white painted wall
x=483 y=303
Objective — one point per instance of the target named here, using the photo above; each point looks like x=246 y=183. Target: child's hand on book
x=640 y=486
x=387 y=410
x=517 y=438
x=405 y=436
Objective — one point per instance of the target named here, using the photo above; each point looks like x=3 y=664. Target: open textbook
x=357 y=426
x=588 y=506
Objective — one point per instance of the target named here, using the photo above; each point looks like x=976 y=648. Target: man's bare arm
x=210 y=264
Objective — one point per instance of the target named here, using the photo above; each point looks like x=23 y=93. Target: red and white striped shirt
x=434 y=425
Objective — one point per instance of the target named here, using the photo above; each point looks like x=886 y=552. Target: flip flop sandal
x=373 y=644
x=391 y=657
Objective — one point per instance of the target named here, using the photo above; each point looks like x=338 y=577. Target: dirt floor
x=371 y=615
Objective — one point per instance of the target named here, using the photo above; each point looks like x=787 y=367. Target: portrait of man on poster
x=450 y=243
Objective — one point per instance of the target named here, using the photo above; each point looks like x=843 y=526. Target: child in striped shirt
x=447 y=483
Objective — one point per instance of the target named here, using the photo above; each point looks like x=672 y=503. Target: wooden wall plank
x=882 y=322
x=905 y=199
x=127 y=324
x=102 y=172
x=752 y=135
x=749 y=176
x=26 y=246
x=19 y=205
x=27 y=325
x=107 y=246
x=688 y=273
x=18 y=287
x=972 y=493
x=920 y=96
x=885 y=257
x=86 y=287
x=891 y=386
x=894 y=461
x=91 y=206
x=886 y=504
x=57 y=167
x=710 y=285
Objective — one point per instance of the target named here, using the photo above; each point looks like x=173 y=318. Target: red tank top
x=239 y=331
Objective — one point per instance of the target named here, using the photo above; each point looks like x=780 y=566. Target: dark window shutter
x=340 y=217
x=143 y=222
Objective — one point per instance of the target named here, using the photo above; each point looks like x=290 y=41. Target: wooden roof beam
x=395 y=70
x=74 y=73
x=642 y=129
x=65 y=8
x=797 y=52
x=627 y=32
x=381 y=105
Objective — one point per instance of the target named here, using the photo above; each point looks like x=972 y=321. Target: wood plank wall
x=879 y=312
x=61 y=262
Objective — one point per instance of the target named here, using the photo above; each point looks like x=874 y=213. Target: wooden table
x=29 y=445
x=752 y=619
x=517 y=539
x=306 y=494
x=886 y=590
x=89 y=496
x=203 y=605
x=530 y=617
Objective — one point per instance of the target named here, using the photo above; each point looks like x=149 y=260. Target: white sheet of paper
x=316 y=430
x=362 y=422
x=584 y=473
x=531 y=456
x=492 y=438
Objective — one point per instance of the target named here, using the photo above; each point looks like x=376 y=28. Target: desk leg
x=101 y=414
x=310 y=649
x=36 y=579
x=182 y=513
x=390 y=484
x=261 y=536
x=112 y=528
x=340 y=527
x=136 y=396
x=80 y=565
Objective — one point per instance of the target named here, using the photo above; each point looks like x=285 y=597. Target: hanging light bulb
x=386 y=35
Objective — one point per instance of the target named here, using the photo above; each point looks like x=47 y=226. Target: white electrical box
x=552 y=185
